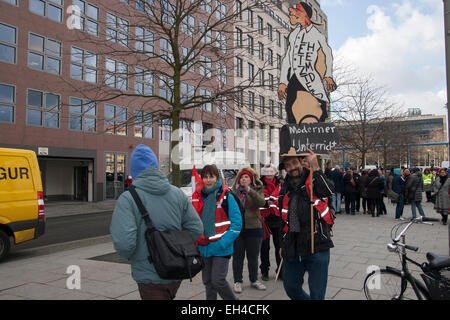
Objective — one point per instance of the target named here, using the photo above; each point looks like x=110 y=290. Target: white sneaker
x=258 y=285
x=403 y=219
x=237 y=287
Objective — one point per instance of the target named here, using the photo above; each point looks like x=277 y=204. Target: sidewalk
x=67 y=208
x=360 y=241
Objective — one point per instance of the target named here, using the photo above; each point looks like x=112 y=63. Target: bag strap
x=141 y=207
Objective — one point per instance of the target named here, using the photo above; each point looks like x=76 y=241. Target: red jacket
x=273 y=208
x=222 y=222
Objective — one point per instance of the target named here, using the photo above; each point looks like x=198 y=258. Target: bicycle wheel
x=387 y=285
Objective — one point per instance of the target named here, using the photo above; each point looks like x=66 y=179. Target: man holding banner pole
x=305 y=238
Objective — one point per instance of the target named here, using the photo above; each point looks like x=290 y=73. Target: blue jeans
x=317 y=267
x=417 y=204
x=399 y=207
x=336 y=199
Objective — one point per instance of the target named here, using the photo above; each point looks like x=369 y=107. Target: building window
x=82 y=115
x=271 y=83
x=188 y=26
x=251 y=71
x=260 y=25
x=239 y=40
x=271 y=135
x=42 y=109
x=145 y=41
x=221 y=11
x=146 y=6
x=261 y=104
x=143 y=124
x=206 y=36
x=116 y=75
x=7 y=103
x=270 y=56
x=278 y=62
x=165 y=50
x=271 y=108
x=165 y=129
x=251 y=101
x=250 y=43
x=239 y=127
x=190 y=63
x=13 y=2
x=280 y=111
x=206 y=95
x=52 y=9
x=240 y=99
x=83 y=65
x=205 y=66
x=144 y=82
x=278 y=38
x=8 y=43
x=238 y=9
x=185 y=131
x=187 y=91
x=222 y=106
x=261 y=77
x=250 y=18
x=115 y=120
x=165 y=85
x=269 y=31
x=221 y=41
x=206 y=5
x=251 y=129
x=239 y=67
x=88 y=20
x=117 y=29
x=222 y=74
x=44 y=54
x=261 y=51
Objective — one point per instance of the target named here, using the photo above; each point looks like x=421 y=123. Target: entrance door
x=81 y=183
x=115 y=164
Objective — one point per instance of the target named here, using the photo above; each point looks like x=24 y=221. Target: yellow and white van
x=21 y=198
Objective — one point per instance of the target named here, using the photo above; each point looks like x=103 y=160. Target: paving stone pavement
x=360 y=241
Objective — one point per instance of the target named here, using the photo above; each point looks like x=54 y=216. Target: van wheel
x=5 y=245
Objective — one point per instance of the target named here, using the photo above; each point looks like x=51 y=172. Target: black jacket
x=295 y=244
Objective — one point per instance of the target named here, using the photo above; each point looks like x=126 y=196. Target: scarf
x=296 y=195
x=242 y=193
x=270 y=185
x=209 y=209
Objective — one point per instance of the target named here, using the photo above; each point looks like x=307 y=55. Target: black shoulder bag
x=172 y=252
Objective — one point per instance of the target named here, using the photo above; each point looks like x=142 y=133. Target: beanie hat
x=268 y=171
x=142 y=158
x=305 y=6
x=246 y=172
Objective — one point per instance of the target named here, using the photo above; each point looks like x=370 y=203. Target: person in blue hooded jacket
x=398 y=186
x=169 y=209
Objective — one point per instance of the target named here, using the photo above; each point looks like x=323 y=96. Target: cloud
x=404 y=50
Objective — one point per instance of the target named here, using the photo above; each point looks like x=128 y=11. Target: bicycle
x=394 y=284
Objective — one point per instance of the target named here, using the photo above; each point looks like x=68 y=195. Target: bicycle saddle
x=438 y=262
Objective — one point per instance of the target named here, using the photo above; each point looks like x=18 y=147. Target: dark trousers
x=381 y=205
x=317 y=267
x=214 y=276
x=374 y=204
x=428 y=193
x=151 y=291
x=364 y=204
x=399 y=207
x=349 y=202
x=265 y=250
x=252 y=247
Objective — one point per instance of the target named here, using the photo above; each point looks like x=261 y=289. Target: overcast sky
x=399 y=42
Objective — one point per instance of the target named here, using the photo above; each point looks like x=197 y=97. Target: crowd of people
x=403 y=186
x=235 y=223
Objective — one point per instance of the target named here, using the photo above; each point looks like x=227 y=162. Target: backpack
x=241 y=207
x=173 y=253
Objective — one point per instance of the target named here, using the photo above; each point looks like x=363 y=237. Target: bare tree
x=362 y=111
x=173 y=44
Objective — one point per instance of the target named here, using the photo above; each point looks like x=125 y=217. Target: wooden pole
x=279 y=269
x=312 y=210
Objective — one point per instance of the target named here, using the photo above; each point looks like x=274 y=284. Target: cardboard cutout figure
x=306 y=69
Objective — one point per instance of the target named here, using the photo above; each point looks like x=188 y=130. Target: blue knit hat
x=142 y=158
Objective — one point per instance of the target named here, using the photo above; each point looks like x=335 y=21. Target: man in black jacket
x=295 y=207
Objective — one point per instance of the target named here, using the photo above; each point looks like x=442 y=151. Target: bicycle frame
x=419 y=288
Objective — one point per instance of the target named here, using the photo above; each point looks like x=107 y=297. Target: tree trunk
x=174 y=149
